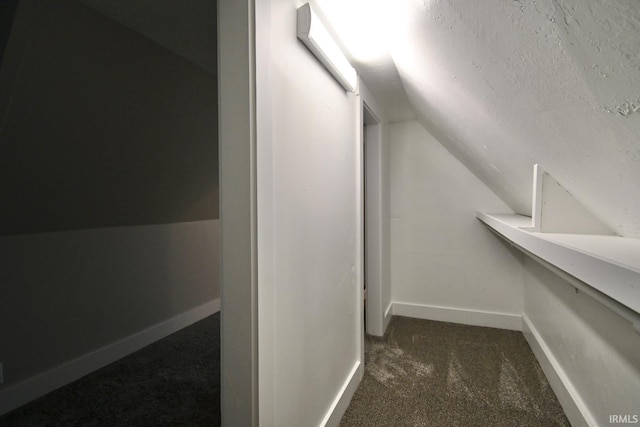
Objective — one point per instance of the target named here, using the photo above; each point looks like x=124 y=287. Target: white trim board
x=574 y=408
x=34 y=387
x=487 y=319
x=555 y=210
x=388 y=314
x=342 y=400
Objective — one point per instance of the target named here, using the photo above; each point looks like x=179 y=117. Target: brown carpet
x=426 y=373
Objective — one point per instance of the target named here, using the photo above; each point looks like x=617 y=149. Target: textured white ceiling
x=506 y=84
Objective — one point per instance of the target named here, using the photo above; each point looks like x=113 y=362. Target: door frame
x=376 y=259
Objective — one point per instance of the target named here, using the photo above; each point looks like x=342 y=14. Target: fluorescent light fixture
x=316 y=37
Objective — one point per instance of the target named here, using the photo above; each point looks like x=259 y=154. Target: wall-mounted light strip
x=316 y=37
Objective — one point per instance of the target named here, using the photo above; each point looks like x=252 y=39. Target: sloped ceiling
x=507 y=84
x=186 y=27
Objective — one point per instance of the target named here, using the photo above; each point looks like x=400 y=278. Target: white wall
x=69 y=295
x=445 y=264
x=309 y=229
x=593 y=350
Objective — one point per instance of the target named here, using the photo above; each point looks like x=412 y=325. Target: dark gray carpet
x=425 y=373
x=173 y=382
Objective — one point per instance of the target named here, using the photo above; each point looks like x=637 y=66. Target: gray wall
x=186 y=27
x=101 y=126
x=108 y=185
x=7 y=11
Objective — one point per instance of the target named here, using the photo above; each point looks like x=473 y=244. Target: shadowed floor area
x=426 y=373
x=175 y=381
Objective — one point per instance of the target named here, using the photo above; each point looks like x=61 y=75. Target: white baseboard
x=575 y=409
x=342 y=400
x=456 y=315
x=32 y=388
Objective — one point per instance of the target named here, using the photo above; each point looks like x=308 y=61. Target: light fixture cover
x=316 y=37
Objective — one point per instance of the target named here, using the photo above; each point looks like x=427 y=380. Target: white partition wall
x=309 y=177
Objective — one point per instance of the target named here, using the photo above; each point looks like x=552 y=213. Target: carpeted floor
x=425 y=373
x=175 y=381
x=422 y=373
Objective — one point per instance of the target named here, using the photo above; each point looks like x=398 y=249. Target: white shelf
x=609 y=264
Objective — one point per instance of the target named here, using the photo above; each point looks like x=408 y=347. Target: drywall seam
x=487 y=319
x=37 y=386
x=343 y=398
x=573 y=405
